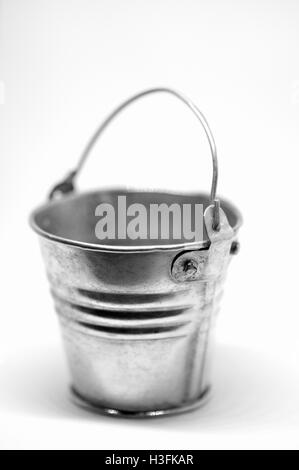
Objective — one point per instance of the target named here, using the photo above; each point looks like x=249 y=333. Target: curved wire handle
x=67 y=185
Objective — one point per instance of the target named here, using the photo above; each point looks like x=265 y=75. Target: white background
x=64 y=65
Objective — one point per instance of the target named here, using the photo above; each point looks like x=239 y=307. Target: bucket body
x=137 y=330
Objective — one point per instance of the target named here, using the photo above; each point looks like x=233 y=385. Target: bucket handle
x=67 y=185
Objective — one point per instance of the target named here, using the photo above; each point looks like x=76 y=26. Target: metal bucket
x=136 y=318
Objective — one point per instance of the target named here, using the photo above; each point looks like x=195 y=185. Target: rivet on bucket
x=137 y=318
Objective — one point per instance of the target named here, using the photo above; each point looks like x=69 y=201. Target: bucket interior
x=73 y=218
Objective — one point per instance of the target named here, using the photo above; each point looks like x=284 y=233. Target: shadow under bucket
x=136 y=315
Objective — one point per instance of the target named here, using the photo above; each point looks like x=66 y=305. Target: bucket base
x=97 y=408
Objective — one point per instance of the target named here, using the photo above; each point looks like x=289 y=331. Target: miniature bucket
x=136 y=316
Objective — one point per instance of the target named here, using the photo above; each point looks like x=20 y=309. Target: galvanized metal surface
x=137 y=339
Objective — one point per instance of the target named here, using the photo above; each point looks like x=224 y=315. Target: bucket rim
x=195 y=245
